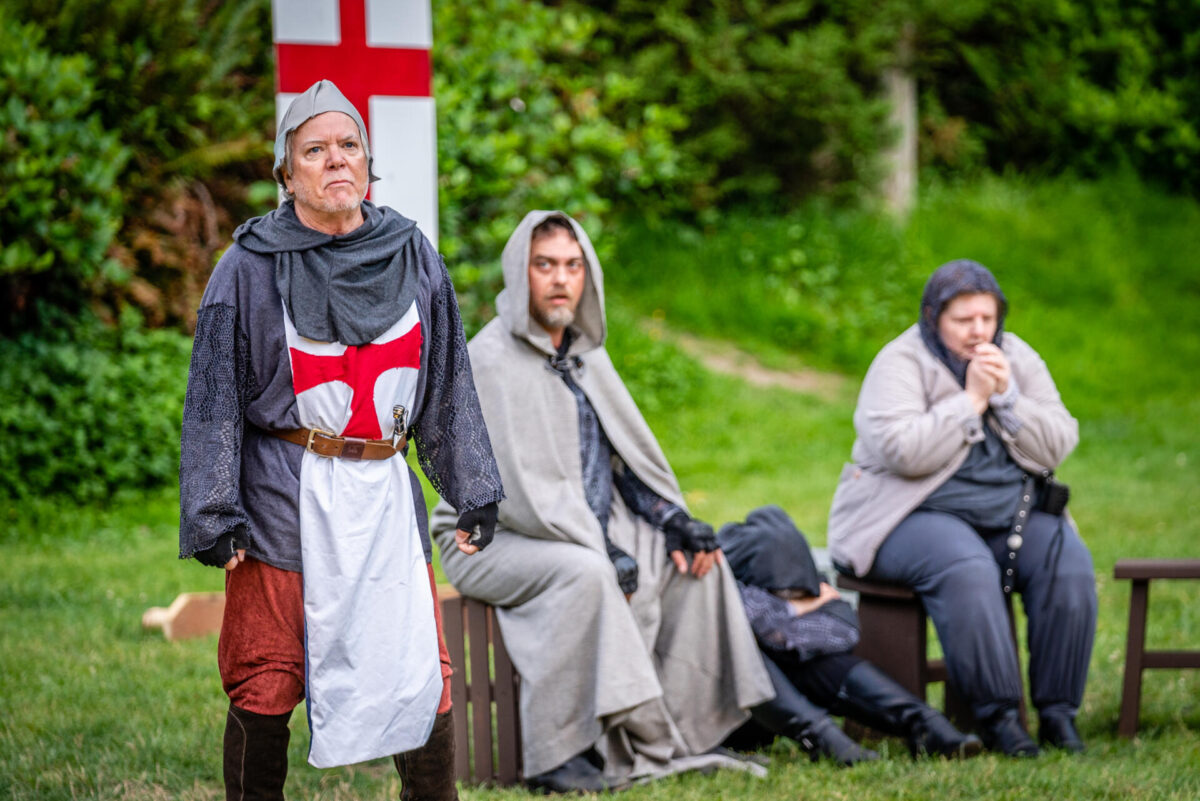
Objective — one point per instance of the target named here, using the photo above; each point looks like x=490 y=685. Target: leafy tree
x=186 y=86
x=781 y=98
x=1067 y=85
x=522 y=125
x=59 y=200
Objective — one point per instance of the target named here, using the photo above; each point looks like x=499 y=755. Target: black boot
x=873 y=698
x=1058 y=731
x=791 y=714
x=255 y=755
x=427 y=773
x=1003 y=732
x=581 y=773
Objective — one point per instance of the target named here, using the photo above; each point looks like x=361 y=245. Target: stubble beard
x=326 y=205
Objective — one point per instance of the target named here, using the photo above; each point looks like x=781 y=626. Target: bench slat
x=1157 y=568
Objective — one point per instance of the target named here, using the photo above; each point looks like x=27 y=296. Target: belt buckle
x=312 y=433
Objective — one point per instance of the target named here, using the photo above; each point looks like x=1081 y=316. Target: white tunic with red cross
x=374 y=678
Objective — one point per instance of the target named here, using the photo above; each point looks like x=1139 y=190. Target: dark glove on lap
x=627 y=569
x=225 y=548
x=688 y=534
x=481 y=523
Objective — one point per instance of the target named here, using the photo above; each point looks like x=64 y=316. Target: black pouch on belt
x=1055 y=495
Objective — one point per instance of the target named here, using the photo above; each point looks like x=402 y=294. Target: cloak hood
x=954 y=278
x=319 y=98
x=769 y=552
x=533 y=417
x=512 y=304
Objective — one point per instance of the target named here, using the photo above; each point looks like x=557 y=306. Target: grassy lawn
x=1100 y=278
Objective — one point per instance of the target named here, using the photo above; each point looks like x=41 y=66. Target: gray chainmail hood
x=319 y=98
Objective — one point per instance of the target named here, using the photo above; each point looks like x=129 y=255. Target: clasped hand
x=988 y=373
x=684 y=533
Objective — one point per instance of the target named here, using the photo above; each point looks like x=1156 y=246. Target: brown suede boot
x=427 y=773
x=255 y=755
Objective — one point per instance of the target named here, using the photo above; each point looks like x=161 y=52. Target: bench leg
x=1135 y=649
x=892 y=636
x=452 y=630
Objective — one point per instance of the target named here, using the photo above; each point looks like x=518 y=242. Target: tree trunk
x=900 y=87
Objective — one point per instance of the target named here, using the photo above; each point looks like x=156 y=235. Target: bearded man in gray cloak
x=635 y=656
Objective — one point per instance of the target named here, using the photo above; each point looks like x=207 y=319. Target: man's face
x=329 y=167
x=967 y=322
x=557 y=273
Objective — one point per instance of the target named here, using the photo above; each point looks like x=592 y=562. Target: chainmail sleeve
x=219 y=383
x=452 y=441
x=804 y=637
x=641 y=500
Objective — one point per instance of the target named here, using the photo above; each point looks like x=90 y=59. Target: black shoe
x=937 y=736
x=1058 y=731
x=826 y=739
x=1004 y=733
x=792 y=715
x=577 y=775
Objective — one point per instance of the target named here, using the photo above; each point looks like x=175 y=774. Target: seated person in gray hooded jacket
x=806 y=633
x=950 y=493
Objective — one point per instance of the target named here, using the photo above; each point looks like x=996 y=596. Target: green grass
x=1101 y=280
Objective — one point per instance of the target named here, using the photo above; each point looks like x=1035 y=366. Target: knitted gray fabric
x=331 y=285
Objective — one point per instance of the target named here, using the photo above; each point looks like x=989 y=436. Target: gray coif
x=334 y=287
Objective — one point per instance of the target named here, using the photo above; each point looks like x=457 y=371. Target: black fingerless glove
x=225 y=548
x=627 y=569
x=688 y=534
x=481 y=523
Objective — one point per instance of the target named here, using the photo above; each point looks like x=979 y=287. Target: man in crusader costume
x=635 y=656
x=328 y=336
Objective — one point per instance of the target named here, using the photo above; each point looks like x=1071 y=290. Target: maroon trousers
x=261 y=650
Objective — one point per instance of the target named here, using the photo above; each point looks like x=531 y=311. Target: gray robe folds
x=654 y=682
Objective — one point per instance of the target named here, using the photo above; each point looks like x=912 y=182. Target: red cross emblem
x=359 y=368
x=359 y=69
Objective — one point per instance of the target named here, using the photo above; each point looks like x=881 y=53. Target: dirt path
x=722 y=357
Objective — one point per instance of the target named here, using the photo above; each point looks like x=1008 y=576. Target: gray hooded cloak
x=653 y=682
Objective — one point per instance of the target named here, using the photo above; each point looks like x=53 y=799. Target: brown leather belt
x=324 y=443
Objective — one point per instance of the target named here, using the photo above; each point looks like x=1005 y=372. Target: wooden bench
x=484 y=690
x=893 y=635
x=1141 y=572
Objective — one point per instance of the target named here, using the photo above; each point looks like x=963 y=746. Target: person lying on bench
x=806 y=632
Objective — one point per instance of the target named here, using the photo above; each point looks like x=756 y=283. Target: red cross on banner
x=377 y=52
x=359 y=368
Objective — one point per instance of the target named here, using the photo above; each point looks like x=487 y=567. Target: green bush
x=781 y=99
x=1078 y=84
x=187 y=87
x=86 y=415
x=521 y=127
x=59 y=200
